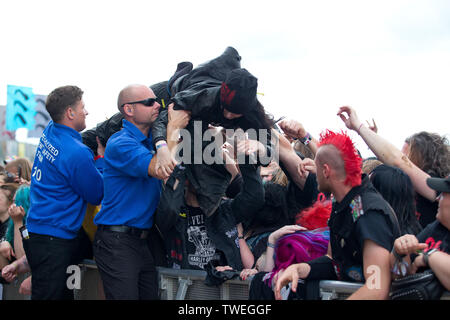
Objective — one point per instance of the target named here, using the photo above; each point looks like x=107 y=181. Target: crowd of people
x=277 y=205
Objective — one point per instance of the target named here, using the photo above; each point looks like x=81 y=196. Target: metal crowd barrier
x=339 y=290
x=184 y=284
x=10 y=291
x=188 y=285
x=174 y=284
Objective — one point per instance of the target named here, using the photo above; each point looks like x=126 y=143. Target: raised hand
x=292 y=129
x=277 y=234
x=17 y=213
x=351 y=121
x=373 y=126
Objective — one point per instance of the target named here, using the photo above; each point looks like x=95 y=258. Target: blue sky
x=388 y=59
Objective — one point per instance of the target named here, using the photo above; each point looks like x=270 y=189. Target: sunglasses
x=147 y=102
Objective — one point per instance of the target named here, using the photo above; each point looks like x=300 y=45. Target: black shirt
x=436 y=236
x=3 y=228
x=426 y=210
x=362 y=215
x=189 y=246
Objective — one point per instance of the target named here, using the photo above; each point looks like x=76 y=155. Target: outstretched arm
x=291 y=161
x=388 y=153
x=272 y=240
x=295 y=130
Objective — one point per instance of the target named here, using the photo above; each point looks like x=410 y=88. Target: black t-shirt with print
x=374 y=226
x=436 y=236
x=190 y=246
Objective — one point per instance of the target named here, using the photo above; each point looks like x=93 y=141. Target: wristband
x=400 y=267
x=397 y=256
x=306 y=139
x=161 y=145
x=98 y=157
x=240 y=237
x=359 y=129
x=270 y=245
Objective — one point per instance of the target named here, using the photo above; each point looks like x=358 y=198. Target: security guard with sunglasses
x=131 y=195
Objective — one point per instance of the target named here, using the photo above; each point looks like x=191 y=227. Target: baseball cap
x=439 y=184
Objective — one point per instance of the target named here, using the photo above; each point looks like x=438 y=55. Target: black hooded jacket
x=198 y=91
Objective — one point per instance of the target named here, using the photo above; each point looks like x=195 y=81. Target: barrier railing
x=189 y=285
x=185 y=284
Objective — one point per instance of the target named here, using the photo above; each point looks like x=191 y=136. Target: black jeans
x=48 y=258
x=126 y=266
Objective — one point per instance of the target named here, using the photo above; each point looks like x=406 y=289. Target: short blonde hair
x=370 y=164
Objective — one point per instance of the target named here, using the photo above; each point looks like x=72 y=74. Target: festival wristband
x=161 y=145
x=396 y=255
x=359 y=129
x=306 y=139
x=98 y=157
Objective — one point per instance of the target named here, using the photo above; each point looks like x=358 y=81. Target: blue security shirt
x=64 y=178
x=131 y=195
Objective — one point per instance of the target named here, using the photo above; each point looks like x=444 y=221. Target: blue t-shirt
x=131 y=195
x=64 y=178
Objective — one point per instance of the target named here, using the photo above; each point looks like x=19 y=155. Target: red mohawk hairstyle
x=350 y=156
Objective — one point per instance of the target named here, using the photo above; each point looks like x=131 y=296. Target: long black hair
x=257 y=119
x=396 y=188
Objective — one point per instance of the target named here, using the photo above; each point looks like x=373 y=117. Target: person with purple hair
x=301 y=246
x=288 y=245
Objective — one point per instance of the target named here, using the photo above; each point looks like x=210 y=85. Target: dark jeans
x=48 y=258
x=126 y=266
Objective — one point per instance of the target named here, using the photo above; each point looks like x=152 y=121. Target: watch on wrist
x=427 y=255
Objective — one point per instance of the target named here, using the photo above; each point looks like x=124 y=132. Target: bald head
x=133 y=92
x=330 y=155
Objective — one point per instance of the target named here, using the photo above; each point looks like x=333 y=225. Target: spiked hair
x=349 y=154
